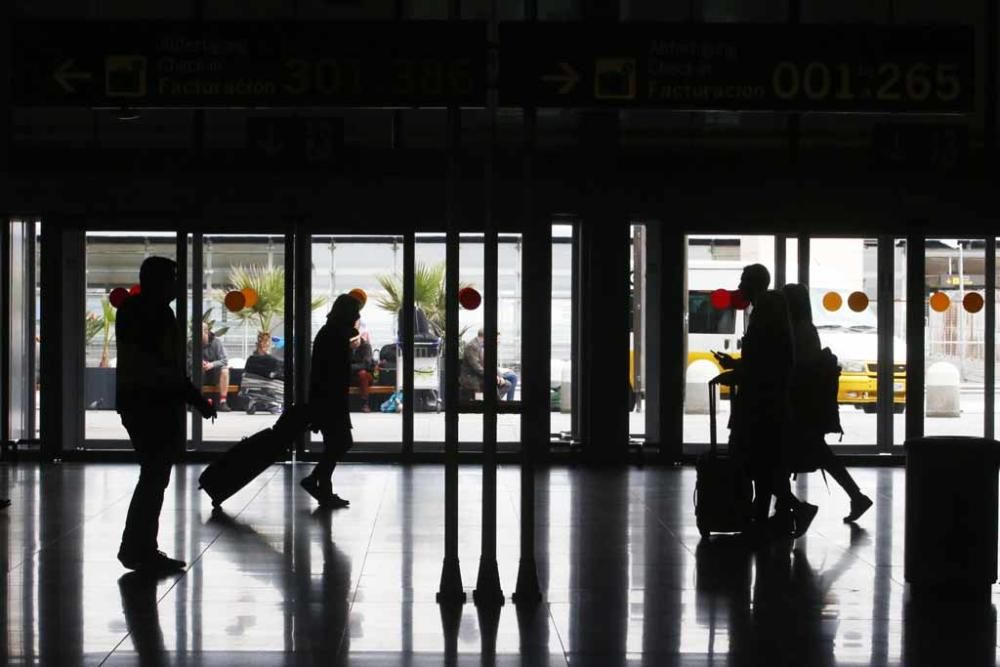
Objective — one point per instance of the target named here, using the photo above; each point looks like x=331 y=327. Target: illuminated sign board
x=837 y=68
x=249 y=64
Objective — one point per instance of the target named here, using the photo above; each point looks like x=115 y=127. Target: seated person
x=214 y=365
x=362 y=366
x=262 y=362
x=472 y=375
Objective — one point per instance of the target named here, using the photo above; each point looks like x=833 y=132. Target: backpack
x=394 y=403
x=816 y=394
x=827 y=386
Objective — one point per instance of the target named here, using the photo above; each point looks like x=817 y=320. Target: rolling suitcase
x=240 y=465
x=723 y=500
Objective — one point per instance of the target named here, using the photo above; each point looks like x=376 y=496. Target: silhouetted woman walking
x=762 y=375
x=804 y=431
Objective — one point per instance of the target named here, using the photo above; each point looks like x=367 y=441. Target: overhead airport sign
x=837 y=68
x=249 y=64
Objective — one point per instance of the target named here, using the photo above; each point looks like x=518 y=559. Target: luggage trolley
x=427 y=348
x=426 y=373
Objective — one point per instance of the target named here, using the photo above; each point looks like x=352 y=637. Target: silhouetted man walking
x=759 y=416
x=329 y=385
x=152 y=391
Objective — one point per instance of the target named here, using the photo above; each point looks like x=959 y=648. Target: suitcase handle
x=712 y=425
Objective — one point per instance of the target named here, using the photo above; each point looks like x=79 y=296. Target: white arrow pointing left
x=65 y=75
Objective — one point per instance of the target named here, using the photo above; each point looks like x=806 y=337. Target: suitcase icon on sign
x=125 y=76
x=615 y=79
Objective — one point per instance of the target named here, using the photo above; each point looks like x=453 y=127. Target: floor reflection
x=627 y=578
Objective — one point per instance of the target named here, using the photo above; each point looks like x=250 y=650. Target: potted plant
x=429 y=294
x=99 y=382
x=269 y=284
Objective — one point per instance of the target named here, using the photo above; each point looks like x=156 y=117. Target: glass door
x=240 y=331
x=342 y=263
x=112 y=261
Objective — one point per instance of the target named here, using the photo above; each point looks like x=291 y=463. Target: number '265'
x=820 y=81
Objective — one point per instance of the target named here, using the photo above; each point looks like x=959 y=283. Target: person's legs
x=364 y=381
x=319 y=483
x=511 y=378
x=223 y=388
x=142 y=522
x=859 y=501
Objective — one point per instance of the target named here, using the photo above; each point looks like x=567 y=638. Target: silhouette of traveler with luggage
x=152 y=390
x=807 y=430
x=329 y=386
x=762 y=376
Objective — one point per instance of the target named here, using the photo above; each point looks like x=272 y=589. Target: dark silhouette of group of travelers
x=775 y=422
x=772 y=422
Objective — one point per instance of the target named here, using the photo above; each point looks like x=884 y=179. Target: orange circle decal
x=250 y=297
x=832 y=301
x=939 y=302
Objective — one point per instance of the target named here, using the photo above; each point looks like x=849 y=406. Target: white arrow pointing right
x=568 y=77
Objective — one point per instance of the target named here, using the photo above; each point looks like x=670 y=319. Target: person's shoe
x=162 y=562
x=157 y=561
x=781 y=523
x=316 y=489
x=4 y=503
x=859 y=506
x=224 y=407
x=334 y=502
x=803 y=515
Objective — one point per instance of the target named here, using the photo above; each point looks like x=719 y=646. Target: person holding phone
x=762 y=376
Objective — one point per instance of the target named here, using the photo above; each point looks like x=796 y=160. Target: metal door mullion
x=885 y=379
x=989 y=390
x=197 y=307
x=915 y=333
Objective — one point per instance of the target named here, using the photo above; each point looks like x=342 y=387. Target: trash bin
x=951 y=515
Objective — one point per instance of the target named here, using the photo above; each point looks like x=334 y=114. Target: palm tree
x=109 y=327
x=269 y=284
x=429 y=295
x=93 y=324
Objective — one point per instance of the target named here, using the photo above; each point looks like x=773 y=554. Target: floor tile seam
x=364 y=560
x=62 y=536
x=828 y=540
x=667 y=528
x=194 y=562
x=208 y=546
x=555 y=626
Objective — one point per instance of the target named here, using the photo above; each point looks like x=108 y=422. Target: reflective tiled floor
x=627 y=579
